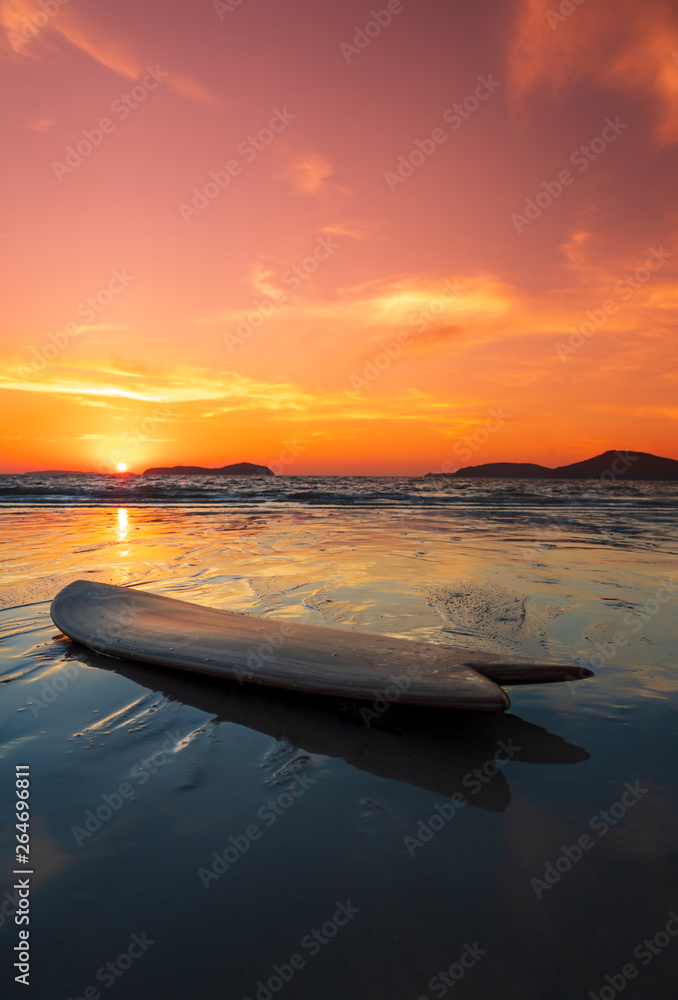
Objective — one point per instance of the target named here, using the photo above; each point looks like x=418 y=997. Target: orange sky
x=361 y=286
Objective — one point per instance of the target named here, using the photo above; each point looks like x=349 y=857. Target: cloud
x=94 y=402
x=416 y=304
x=89 y=39
x=382 y=305
x=478 y=322
x=179 y=386
x=81 y=31
x=489 y=311
x=354 y=231
x=39 y=124
x=235 y=393
x=187 y=86
x=107 y=437
x=263 y=279
x=311 y=175
x=618 y=44
x=310 y=172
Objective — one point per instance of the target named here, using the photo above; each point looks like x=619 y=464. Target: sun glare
x=122 y=524
x=121 y=467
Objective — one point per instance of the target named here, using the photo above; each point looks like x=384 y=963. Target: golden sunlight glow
x=358 y=325
x=122 y=524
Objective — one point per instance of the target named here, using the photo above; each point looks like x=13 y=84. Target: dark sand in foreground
x=344 y=813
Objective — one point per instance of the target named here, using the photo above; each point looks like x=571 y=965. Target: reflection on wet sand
x=438 y=750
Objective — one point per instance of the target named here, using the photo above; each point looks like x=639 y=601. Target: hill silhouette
x=609 y=466
x=238 y=469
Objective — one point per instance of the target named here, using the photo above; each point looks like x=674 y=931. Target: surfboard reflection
x=439 y=750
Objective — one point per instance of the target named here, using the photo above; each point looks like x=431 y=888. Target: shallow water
x=571 y=571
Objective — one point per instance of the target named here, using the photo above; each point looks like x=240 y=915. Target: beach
x=208 y=838
x=353 y=329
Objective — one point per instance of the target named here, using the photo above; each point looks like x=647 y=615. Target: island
x=608 y=466
x=238 y=469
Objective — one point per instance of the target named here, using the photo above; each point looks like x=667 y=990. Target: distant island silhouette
x=610 y=465
x=238 y=469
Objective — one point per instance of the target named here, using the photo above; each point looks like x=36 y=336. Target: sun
x=121 y=467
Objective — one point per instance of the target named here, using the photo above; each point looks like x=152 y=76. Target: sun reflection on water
x=122 y=524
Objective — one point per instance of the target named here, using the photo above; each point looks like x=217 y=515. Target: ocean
x=287 y=850
x=383 y=491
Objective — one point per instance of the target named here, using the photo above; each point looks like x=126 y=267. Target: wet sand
x=227 y=825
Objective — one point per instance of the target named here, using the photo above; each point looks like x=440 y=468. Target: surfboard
x=137 y=625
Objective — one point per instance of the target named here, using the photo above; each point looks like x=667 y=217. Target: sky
x=340 y=238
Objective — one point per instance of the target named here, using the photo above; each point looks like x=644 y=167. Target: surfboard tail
x=528 y=672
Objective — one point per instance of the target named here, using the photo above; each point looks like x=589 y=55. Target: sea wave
x=405 y=492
